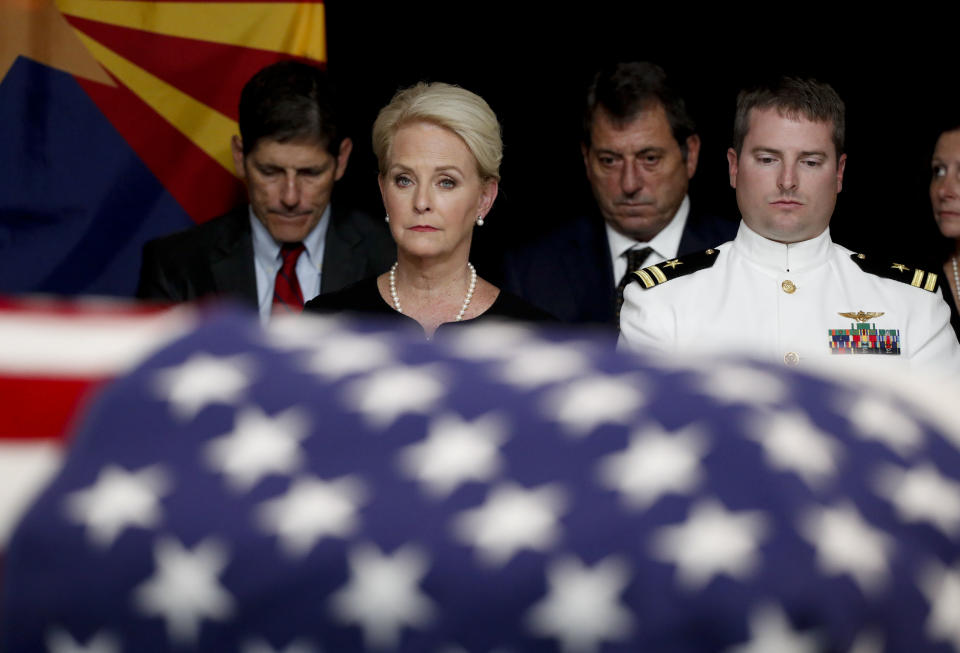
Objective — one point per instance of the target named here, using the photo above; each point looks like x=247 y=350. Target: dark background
x=898 y=76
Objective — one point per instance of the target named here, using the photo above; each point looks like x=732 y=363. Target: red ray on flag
x=200 y=185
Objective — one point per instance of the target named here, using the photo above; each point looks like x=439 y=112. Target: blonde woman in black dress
x=438 y=148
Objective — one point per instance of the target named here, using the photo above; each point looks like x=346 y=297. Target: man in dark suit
x=640 y=150
x=290 y=243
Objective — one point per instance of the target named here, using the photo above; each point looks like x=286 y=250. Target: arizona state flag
x=115 y=122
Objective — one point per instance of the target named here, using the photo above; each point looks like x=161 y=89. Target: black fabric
x=655 y=275
x=363 y=298
x=216 y=258
x=945 y=292
x=211 y=259
x=895 y=271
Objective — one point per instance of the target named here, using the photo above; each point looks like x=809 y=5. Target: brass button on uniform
x=791 y=358
x=788 y=287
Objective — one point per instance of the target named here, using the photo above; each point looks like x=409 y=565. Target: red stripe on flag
x=201 y=185
x=34 y=305
x=41 y=407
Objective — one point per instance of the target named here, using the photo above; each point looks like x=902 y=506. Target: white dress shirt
x=665 y=244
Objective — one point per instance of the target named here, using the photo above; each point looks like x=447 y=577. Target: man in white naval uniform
x=782 y=289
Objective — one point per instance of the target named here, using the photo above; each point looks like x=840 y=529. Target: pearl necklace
x=956 y=278
x=395 y=296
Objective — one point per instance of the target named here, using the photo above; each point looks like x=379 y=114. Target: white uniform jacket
x=783 y=302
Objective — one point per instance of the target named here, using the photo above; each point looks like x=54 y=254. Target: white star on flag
x=542 y=363
x=941 y=587
x=494 y=340
x=582 y=405
x=738 y=384
x=655 y=463
x=582 y=607
x=60 y=641
x=771 y=632
x=342 y=354
x=382 y=595
x=922 y=494
x=311 y=510
x=385 y=394
x=184 y=589
x=118 y=500
x=201 y=380
x=791 y=443
x=455 y=451
x=512 y=518
x=846 y=544
x=869 y=640
x=259 y=445
x=301 y=331
x=883 y=421
x=712 y=541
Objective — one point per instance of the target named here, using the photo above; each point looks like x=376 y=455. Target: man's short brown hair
x=794 y=98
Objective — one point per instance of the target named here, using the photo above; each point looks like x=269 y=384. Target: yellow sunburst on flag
x=167 y=74
x=294 y=29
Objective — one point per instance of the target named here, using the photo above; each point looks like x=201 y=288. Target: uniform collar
x=795 y=257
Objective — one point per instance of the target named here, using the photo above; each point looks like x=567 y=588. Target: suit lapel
x=703 y=231
x=589 y=271
x=232 y=263
x=344 y=260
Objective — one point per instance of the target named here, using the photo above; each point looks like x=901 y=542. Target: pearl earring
x=479 y=220
x=387 y=218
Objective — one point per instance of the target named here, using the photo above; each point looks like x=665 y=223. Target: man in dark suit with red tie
x=290 y=243
x=640 y=149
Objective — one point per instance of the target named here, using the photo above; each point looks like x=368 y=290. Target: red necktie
x=287 y=296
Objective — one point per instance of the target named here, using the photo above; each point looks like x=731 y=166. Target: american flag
x=54 y=355
x=324 y=485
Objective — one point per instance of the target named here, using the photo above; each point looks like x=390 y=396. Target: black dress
x=947 y=293
x=364 y=298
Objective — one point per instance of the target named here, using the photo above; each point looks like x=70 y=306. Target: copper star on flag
x=21 y=21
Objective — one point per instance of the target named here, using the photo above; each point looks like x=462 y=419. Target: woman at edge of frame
x=945 y=200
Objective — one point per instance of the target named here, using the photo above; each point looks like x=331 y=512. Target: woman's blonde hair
x=464 y=113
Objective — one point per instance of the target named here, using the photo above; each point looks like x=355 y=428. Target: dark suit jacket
x=569 y=274
x=216 y=258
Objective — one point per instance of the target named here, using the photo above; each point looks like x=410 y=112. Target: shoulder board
x=898 y=272
x=654 y=275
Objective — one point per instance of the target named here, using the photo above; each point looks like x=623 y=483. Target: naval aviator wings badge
x=864 y=337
